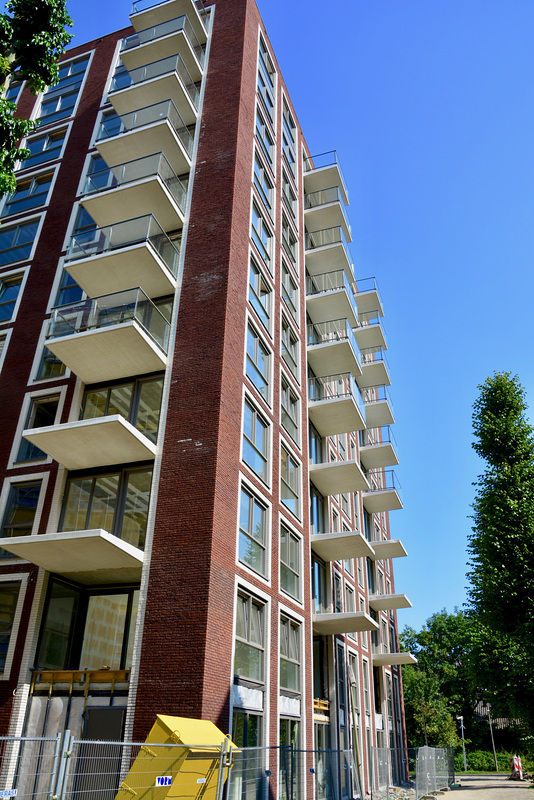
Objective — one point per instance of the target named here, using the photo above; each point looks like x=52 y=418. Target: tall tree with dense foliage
x=32 y=37
x=501 y=594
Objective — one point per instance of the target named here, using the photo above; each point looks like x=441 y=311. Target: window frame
x=285 y=481
x=290 y=292
x=264 y=453
x=14 y=480
x=246 y=488
x=254 y=297
x=287 y=391
x=259 y=233
x=22 y=223
x=251 y=359
x=264 y=137
x=263 y=184
x=24 y=418
x=297 y=572
x=289 y=346
x=22 y=579
x=294 y=633
x=64 y=128
x=251 y=598
x=53 y=90
x=33 y=180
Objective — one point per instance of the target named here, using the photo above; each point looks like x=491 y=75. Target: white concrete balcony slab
x=157 y=128
x=148 y=13
x=324 y=208
x=387 y=548
x=110 y=337
x=367 y=296
x=162 y=40
x=374 y=368
x=167 y=79
x=87 y=557
x=340 y=546
x=335 y=404
x=377 y=448
x=378 y=407
x=136 y=252
x=383 y=493
x=330 y=296
x=393 y=659
x=136 y=188
x=327 y=250
x=388 y=602
x=338 y=477
x=322 y=171
x=89 y=443
x=332 y=348
x=329 y=624
x=370 y=332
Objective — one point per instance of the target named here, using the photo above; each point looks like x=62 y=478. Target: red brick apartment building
x=196 y=452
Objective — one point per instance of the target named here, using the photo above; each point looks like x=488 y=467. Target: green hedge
x=484 y=761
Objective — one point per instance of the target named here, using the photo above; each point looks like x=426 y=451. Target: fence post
x=53 y=775
x=61 y=784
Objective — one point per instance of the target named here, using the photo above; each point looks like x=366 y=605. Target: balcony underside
x=329 y=258
x=393 y=659
x=340 y=546
x=374 y=373
x=388 y=548
x=378 y=413
x=163 y=12
x=374 y=456
x=334 y=304
x=103 y=354
x=332 y=358
x=369 y=301
x=346 y=622
x=322 y=178
x=141 y=142
x=160 y=48
x=136 y=199
x=90 y=443
x=370 y=336
x=338 y=477
x=156 y=90
x=388 y=602
x=88 y=557
x=120 y=269
x=329 y=215
x=381 y=500
x=336 y=415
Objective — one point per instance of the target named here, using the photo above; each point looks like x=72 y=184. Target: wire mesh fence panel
x=392 y=769
x=434 y=770
x=249 y=777
x=28 y=767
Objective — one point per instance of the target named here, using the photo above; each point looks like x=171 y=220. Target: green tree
x=32 y=37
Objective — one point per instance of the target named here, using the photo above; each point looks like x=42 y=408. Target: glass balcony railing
x=331 y=282
x=143 y=5
x=322 y=197
x=125 y=234
x=332 y=332
x=334 y=387
x=157 y=69
x=137 y=170
x=373 y=355
x=108 y=311
x=377 y=394
x=325 y=238
x=322 y=160
x=114 y=126
x=166 y=29
x=368 y=318
x=382 y=480
x=377 y=436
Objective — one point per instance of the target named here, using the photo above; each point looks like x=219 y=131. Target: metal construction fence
x=65 y=768
x=434 y=770
x=417 y=771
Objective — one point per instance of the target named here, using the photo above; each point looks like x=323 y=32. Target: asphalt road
x=493 y=787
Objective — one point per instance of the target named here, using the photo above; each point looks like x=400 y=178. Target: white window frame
x=300 y=499
x=12 y=273
x=25 y=408
x=253 y=327
x=289 y=388
x=37 y=360
x=300 y=572
x=32 y=477
x=250 y=401
x=268 y=309
x=247 y=486
x=22 y=578
x=25 y=221
x=38 y=105
x=6 y=335
x=31 y=176
x=66 y=126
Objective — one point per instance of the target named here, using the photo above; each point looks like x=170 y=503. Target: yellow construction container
x=181 y=758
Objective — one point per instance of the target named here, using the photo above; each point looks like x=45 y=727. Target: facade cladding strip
x=197 y=449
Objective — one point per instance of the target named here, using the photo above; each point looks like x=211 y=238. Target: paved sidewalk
x=492 y=787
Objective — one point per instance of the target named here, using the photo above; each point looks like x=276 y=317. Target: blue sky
x=430 y=108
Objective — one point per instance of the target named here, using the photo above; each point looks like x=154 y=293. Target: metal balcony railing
x=142 y=117
x=333 y=387
x=144 y=5
x=382 y=480
x=125 y=234
x=372 y=355
x=165 y=29
x=322 y=160
x=331 y=282
x=377 y=436
x=156 y=69
x=322 y=197
x=324 y=238
x=367 y=318
x=111 y=310
x=332 y=332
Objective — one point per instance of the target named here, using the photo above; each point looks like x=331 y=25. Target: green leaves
x=11 y=131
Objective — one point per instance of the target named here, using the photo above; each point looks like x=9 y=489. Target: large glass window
x=137 y=401
x=42 y=413
x=290 y=292
x=289 y=404
x=266 y=81
x=59 y=100
x=260 y=294
x=258 y=361
x=21 y=507
x=289 y=655
x=289 y=345
x=317 y=511
x=9 y=292
x=249 y=640
x=9 y=595
x=288 y=138
x=45 y=147
x=289 y=241
x=30 y=193
x=264 y=137
x=252 y=532
x=49 y=366
x=255 y=441
x=319 y=596
x=261 y=235
x=16 y=242
x=290 y=561
x=289 y=481
x=263 y=184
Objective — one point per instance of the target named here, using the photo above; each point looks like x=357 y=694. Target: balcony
x=387 y=548
x=377 y=448
x=167 y=79
x=367 y=296
x=137 y=188
x=382 y=657
x=332 y=348
x=147 y=13
x=113 y=336
x=322 y=171
x=335 y=404
x=325 y=209
x=141 y=133
x=340 y=546
x=90 y=443
x=388 y=602
x=374 y=368
x=330 y=296
x=327 y=250
x=383 y=493
x=337 y=477
x=329 y=624
x=163 y=40
x=378 y=407
x=369 y=332
x=87 y=557
x=136 y=252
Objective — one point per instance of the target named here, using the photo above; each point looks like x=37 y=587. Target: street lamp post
x=461 y=720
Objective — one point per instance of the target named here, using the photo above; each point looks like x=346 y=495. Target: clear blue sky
x=430 y=106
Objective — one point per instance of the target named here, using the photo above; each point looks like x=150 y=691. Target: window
x=288 y=139
x=290 y=560
x=20 y=511
x=263 y=184
x=289 y=403
x=261 y=235
x=260 y=294
x=50 y=366
x=319 y=597
x=315 y=445
x=9 y=292
x=289 y=655
x=360 y=572
x=317 y=515
x=116 y=502
x=266 y=80
x=249 y=639
x=364 y=633
x=13 y=90
x=16 y=242
x=345 y=504
x=264 y=137
x=258 y=362
x=289 y=481
x=366 y=697
x=68 y=291
x=289 y=241
x=3 y=345
x=9 y=595
x=58 y=101
x=255 y=441
x=46 y=147
x=137 y=401
x=289 y=346
x=87 y=629
x=289 y=196
x=290 y=292
x=338 y=593
x=350 y=604
x=30 y=193
x=252 y=532
x=42 y=413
